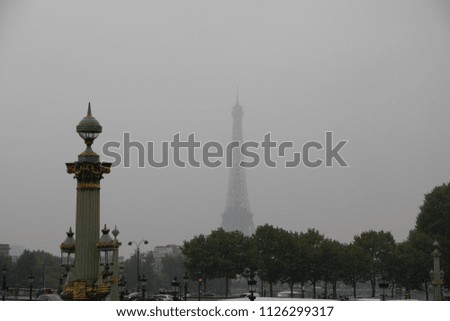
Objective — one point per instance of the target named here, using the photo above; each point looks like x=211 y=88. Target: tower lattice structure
x=237 y=215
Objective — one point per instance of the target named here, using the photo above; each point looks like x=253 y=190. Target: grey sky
x=374 y=72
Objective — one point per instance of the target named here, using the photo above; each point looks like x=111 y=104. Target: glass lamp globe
x=89 y=128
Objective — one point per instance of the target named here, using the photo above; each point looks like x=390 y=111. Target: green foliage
x=146 y=260
x=434 y=221
x=378 y=248
x=271 y=251
x=276 y=255
x=355 y=265
x=45 y=268
x=219 y=255
x=413 y=261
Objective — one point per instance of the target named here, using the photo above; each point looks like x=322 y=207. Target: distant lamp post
x=199 y=280
x=30 y=282
x=143 y=286
x=436 y=274
x=121 y=288
x=252 y=288
x=138 y=258
x=185 y=279
x=122 y=282
x=383 y=285
x=175 y=284
x=4 y=271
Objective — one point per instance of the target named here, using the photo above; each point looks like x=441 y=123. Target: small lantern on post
x=68 y=251
x=4 y=289
x=252 y=288
x=106 y=247
x=185 y=279
x=143 y=286
x=175 y=284
x=31 y=281
x=383 y=285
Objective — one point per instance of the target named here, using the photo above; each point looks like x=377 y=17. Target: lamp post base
x=80 y=291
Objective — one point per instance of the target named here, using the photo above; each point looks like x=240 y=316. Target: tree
x=294 y=267
x=229 y=254
x=146 y=262
x=356 y=265
x=332 y=263
x=199 y=263
x=378 y=248
x=172 y=266
x=434 y=221
x=314 y=256
x=25 y=265
x=414 y=261
x=269 y=244
x=47 y=271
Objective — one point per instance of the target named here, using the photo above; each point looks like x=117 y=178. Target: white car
x=163 y=297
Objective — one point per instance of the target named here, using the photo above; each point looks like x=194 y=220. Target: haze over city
x=372 y=72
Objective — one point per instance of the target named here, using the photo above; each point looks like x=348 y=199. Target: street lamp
x=251 y=287
x=88 y=171
x=122 y=282
x=199 y=280
x=4 y=271
x=175 y=284
x=137 y=258
x=185 y=279
x=143 y=285
x=68 y=251
x=383 y=285
x=106 y=249
x=436 y=274
x=31 y=281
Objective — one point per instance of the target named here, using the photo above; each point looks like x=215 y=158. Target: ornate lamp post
x=4 y=271
x=109 y=259
x=138 y=251
x=175 y=284
x=437 y=275
x=68 y=252
x=143 y=286
x=106 y=249
x=185 y=279
x=251 y=287
x=115 y=294
x=30 y=282
x=88 y=171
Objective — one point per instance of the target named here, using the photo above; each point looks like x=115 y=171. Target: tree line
x=276 y=255
x=295 y=258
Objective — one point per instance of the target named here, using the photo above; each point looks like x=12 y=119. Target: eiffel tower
x=237 y=215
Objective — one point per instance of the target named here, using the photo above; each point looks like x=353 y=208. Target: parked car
x=133 y=296
x=163 y=297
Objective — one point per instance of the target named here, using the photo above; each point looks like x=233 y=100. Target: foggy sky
x=376 y=73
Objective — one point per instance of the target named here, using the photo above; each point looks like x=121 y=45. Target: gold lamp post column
x=88 y=171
